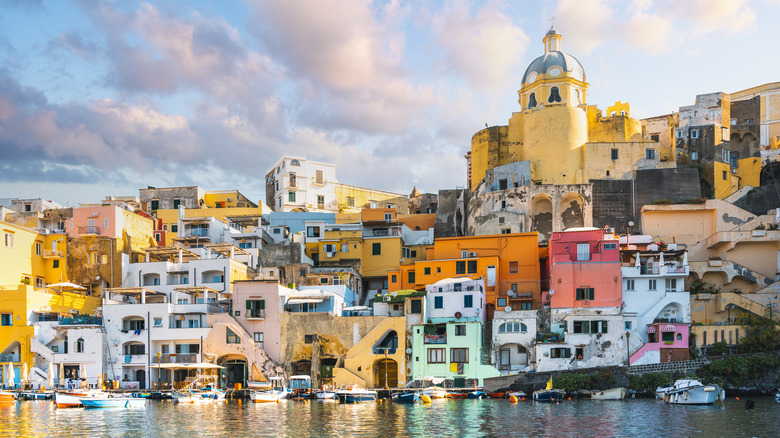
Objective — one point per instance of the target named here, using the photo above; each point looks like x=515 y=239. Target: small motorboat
x=326 y=395
x=278 y=392
x=36 y=395
x=193 y=397
x=72 y=399
x=618 y=393
x=476 y=395
x=693 y=392
x=549 y=394
x=406 y=397
x=518 y=394
x=434 y=392
x=113 y=402
x=355 y=394
x=7 y=397
x=497 y=395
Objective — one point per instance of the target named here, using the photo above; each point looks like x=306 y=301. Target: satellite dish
x=408 y=351
x=508 y=309
x=458 y=315
x=552 y=292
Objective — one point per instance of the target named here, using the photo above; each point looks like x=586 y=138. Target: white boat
x=434 y=392
x=72 y=399
x=113 y=402
x=693 y=392
x=326 y=395
x=618 y=393
x=193 y=397
x=278 y=392
x=354 y=394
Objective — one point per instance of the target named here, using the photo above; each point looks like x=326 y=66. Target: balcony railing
x=52 y=254
x=89 y=230
x=255 y=314
x=176 y=358
x=199 y=232
x=435 y=339
x=79 y=320
x=10 y=358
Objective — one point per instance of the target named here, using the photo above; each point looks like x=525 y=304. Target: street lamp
x=159 y=357
x=628 y=233
x=628 y=351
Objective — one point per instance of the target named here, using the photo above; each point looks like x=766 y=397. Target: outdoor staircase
x=38 y=348
x=741 y=301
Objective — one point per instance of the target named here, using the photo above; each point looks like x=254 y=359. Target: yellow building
x=168 y=219
x=28 y=263
x=769 y=95
x=353 y=198
x=565 y=140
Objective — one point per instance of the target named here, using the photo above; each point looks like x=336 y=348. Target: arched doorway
x=236 y=371
x=386 y=373
x=572 y=214
x=542 y=216
x=140 y=377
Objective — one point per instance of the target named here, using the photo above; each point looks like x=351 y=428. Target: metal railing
x=79 y=320
x=176 y=358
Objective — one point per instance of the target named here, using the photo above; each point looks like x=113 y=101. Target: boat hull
x=609 y=394
x=113 y=402
x=326 y=395
x=692 y=392
x=409 y=397
x=267 y=396
x=434 y=392
x=7 y=397
x=476 y=395
x=357 y=398
x=548 y=395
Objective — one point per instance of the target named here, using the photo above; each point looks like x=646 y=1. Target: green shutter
x=248 y=304
x=261 y=304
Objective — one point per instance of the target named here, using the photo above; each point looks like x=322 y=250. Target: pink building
x=584 y=269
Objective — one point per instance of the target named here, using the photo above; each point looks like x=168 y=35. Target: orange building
x=585 y=269
x=509 y=264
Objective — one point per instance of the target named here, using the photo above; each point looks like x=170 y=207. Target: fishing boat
x=192 y=397
x=406 y=397
x=518 y=394
x=300 y=387
x=431 y=388
x=476 y=395
x=7 y=397
x=113 y=402
x=36 y=395
x=278 y=392
x=497 y=395
x=618 y=393
x=354 y=394
x=457 y=395
x=549 y=394
x=72 y=399
x=693 y=392
x=326 y=393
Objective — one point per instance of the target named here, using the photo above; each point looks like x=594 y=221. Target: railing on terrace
x=175 y=358
x=89 y=230
x=435 y=339
x=259 y=313
x=383 y=232
x=79 y=320
x=10 y=358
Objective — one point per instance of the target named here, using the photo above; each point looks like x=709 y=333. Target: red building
x=585 y=269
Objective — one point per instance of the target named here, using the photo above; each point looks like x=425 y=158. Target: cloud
x=586 y=24
x=730 y=16
x=483 y=46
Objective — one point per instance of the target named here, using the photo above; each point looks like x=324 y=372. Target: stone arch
x=512 y=356
x=572 y=208
x=672 y=312
x=542 y=215
x=386 y=373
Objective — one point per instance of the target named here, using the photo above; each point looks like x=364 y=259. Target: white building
x=456 y=299
x=514 y=336
x=297 y=184
x=72 y=347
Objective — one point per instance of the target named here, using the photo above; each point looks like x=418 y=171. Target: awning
x=667 y=328
x=651 y=329
x=304 y=300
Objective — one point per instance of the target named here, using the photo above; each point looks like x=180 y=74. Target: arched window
x=512 y=327
x=555 y=95
x=294 y=163
x=532 y=100
x=80 y=345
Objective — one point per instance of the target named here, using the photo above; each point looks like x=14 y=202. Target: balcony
x=89 y=230
x=384 y=232
x=199 y=232
x=176 y=358
x=79 y=320
x=255 y=314
x=52 y=254
x=435 y=339
x=10 y=358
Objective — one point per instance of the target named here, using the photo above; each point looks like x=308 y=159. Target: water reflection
x=440 y=418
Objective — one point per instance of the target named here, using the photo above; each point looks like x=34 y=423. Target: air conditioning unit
x=609 y=230
x=386 y=298
x=472 y=254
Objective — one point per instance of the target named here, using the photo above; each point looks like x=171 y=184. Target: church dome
x=553 y=57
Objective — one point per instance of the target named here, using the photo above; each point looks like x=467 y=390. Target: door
x=140 y=377
x=503 y=357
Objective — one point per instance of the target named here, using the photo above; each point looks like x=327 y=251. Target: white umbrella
x=84 y=374
x=50 y=375
x=11 y=375
x=68 y=285
x=62 y=374
x=24 y=371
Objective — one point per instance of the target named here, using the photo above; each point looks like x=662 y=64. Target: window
x=158 y=322
x=472 y=266
x=512 y=327
x=583 y=251
x=372 y=204
x=502 y=184
x=526 y=305
x=258 y=338
x=255 y=308
x=725 y=155
x=6 y=319
x=388 y=217
x=630 y=285
x=292 y=180
x=501 y=220
x=411 y=277
x=376 y=248
x=393 y=279
x=405 y=252
x=350 y=202
x=427 y=271
x=614 y=154
x=725 y=175
x=155 y=204
x=459 y=355
x=650 y=154
x=9 y=240
x=560 y=352
x=183 y=301
x=555 y=95
x=457 y=287
x=506 y=231
x=460 y=267
x=514 y=267
x=679 y=336
x=724 y=132
x=679 y=133
x=80 y=345
x=231 y=337
x=55 y=264
x=92 y=258
x=320 y=201
x=176 y=203
x=628 y=325
x=174 y=228
x=671 y=284
x=532 y=100
x=438 y=302
x=610 y=246
x=693 y=155
x=291 y=197
x=312 y=231
x=668 y=336
x=134 y=350
x=694 y=133
x=416 y=307
x=329 y=247
x=589 y=327
x=468 y=301
x=38 y=248
x=460 y=330
x=318 y=177
x=584 y=293
x=436 y=355
x=38 y=282
x=655 y=137
x=295 y=163
x=651 y=285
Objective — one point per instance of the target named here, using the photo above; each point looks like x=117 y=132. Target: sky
x=102 y=98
